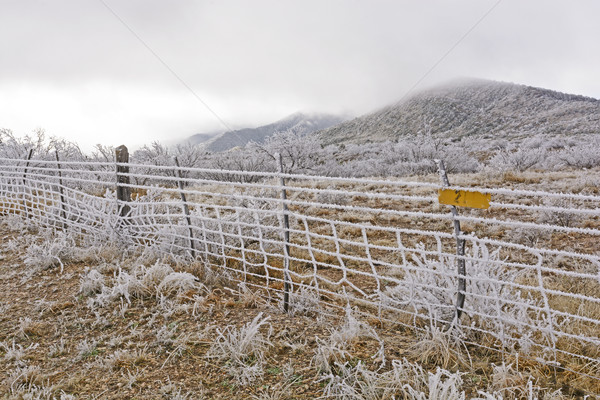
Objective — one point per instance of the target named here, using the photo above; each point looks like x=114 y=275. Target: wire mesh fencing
x=385 y=247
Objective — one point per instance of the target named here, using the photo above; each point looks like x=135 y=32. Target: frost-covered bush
x=411 y=156
x=51 y=252
x=159 y=281
x=442 y=385
x=243 y=349
x=44 y=147
x=305 y=301
x=334 y=349
x=428 y=287
x=528 y=236
x=585 y=154
x=178 y=283
x=91 y=282
x=244 y=160
x=520 y=159
x=359 y=383
x=493 y=301
x=329 y=197
x=404 y=380
x=562 y=217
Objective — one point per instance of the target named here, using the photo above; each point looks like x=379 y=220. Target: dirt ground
x=53 y=344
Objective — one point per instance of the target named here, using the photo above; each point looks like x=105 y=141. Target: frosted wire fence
x=385 y=247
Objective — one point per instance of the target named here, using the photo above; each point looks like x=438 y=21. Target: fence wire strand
x=385 y=247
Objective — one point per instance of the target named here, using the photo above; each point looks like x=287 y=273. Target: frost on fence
x=384 y=247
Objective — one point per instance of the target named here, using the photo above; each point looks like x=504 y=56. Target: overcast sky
x=72 y=68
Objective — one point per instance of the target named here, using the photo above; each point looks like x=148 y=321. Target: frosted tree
x=300 y=153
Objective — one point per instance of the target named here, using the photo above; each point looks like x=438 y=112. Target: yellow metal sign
x=463 y=198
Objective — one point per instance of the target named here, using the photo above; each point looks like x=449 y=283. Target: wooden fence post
x=186 y=209
x=123 y=189
x=460 y=249
x=60 y=189
x=286 y=238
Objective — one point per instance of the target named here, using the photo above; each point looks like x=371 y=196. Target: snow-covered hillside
x=298 y=123
x=474 y=108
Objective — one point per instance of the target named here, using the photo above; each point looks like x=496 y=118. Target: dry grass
x=170 y=293
x=193 y=347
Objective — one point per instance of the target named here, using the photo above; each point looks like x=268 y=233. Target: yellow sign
x=463 y=198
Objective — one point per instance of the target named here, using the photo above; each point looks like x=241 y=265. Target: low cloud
x=74 y=69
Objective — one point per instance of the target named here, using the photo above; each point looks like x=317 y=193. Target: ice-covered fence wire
x=383 y=246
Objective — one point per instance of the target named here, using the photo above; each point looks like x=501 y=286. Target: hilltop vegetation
x=474 y=108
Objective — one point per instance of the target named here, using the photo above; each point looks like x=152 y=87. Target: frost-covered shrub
x=585 y=154
x=86 y=348
x=412 y=156
x=51 y=252
x=334 y=349
x=244 y=160
x=305 y=301
x=493 y=302
x=404 y=380
x=91 y=282
x=177 y=283
x=428 y=287
x=528 y=236
x=442 y=385
x=358 y=382
x=519 y=160
x=243 y=349
x=159 y=281
x=329 y=197
x=563 y=217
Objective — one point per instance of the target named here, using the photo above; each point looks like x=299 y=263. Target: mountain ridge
x=300 y=123
x=473 y=107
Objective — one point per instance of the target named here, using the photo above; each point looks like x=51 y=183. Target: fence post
x=460 y=249
x=25 y=183
x=186 y=209
x=60 y=189
x=123 y=189
x=286 y=238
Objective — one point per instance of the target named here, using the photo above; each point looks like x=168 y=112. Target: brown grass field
x=161 y=344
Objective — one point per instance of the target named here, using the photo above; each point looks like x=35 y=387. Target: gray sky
x=73 y=69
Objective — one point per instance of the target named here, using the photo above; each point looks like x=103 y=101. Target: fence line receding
x=385 y=247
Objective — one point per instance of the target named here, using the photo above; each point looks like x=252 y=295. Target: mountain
x=202 y=137
x=299 y=123
x=474 y=108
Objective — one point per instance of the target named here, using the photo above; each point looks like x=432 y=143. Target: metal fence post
x=123 y=189
x=286 y=238
x=25 y=209
x=186 y=209
x=60 y=189
x=460 y=249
